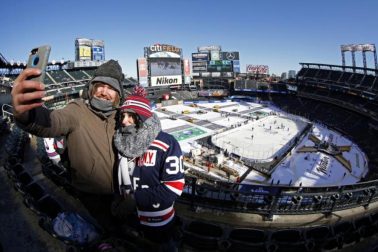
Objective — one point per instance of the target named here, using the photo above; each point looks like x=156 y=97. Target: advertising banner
x=213 y=92
x=143 y=81
x=142 y=67
x=257 y=69
x=227 y=74
x=187 y=79
x=83 y=49
x=236 y=66
x=200 y=57
x=166 y=80
x=215 y=55
x=142 y=71
x=98 y=43
x=199 y=69
x=230 y=56
x=98 y=50
x=220 y=62
x=163 y=55
x=199 y=63
x=87 y=63
x=162 y=51
x=98 y=53
x=85 y=53
x=89 y=49
x=209 y=48
x=219 y=66
x=186 y=67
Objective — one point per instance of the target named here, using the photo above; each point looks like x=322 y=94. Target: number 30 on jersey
x=175 y=165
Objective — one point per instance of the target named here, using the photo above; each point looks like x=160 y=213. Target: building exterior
x=291 y=74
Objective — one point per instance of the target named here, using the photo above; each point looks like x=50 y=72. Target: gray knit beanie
x=109 y=73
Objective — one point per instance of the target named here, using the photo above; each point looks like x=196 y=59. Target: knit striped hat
x=137 y=103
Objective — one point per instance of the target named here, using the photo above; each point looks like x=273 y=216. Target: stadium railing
x=277 y=200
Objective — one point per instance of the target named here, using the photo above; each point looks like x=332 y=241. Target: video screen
x=164 y=67
x=219 y=66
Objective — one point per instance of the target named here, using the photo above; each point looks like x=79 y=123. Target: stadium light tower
x=353 y=58
x=370 y=48
x=362 y=48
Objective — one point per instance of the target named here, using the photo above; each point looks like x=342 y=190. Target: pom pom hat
x=137 y=103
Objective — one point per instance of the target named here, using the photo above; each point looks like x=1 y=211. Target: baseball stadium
x=270 y=164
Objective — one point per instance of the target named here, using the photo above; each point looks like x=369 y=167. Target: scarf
x=104 y=107
x=133 y=143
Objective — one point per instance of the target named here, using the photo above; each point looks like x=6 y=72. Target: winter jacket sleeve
x=44 y=122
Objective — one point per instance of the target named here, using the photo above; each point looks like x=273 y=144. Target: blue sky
x=276 y=33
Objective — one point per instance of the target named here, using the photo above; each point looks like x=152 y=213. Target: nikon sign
x=166 y=80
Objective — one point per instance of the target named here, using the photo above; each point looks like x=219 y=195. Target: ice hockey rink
x=260 y=132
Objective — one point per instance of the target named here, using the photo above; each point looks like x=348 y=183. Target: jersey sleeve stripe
x=159 y=144
x=175 y=186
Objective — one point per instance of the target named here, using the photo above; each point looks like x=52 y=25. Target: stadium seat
x=202 y=235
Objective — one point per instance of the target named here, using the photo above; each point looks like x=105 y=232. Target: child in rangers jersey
x=150 y=167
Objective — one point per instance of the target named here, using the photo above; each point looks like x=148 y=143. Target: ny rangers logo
x=148 y=158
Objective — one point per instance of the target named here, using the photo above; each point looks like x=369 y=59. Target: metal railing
x=271 y=200
x=5 y=111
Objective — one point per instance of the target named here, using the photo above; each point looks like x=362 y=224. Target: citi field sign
x=162 y=51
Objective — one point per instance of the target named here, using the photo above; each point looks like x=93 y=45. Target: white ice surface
x=269 y=140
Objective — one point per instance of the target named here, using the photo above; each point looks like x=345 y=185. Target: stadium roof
x=3 y=61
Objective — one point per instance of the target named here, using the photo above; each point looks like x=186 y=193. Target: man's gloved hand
x=123 y=206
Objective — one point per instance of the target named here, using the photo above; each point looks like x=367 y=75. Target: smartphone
x=38 y=58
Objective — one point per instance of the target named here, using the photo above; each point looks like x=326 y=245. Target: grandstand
x=345 y=98
x=358 y=86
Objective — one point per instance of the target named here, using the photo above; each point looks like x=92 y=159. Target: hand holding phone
x=38 y=58
x=28 y=89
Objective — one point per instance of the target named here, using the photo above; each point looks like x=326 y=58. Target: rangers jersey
x=157 y=179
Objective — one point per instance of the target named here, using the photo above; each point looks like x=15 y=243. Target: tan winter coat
x=89 y=138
